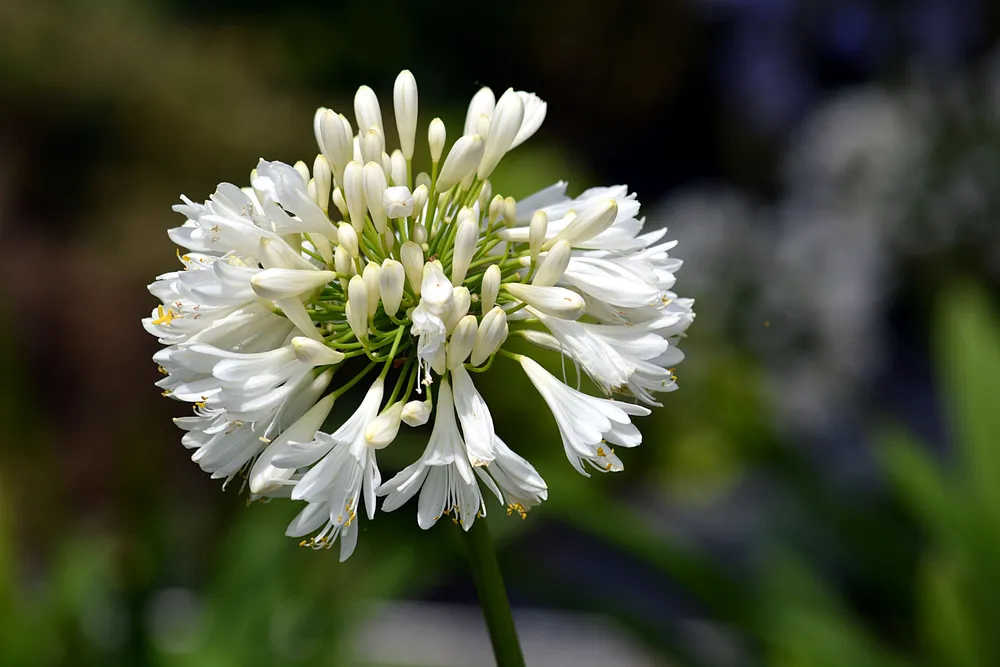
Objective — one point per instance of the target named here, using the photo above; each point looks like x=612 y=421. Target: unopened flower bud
x=372 y=146
x=466 y=239
x=491 y=287
x=413 y=263
x=483 y=126
x=287 y=283
x=484 y=196
x=398 y=202
x=372 y=277
x=420 y=233
x=391 y=285
x=424 y=179
x=348 y=239
x=314 y=353
x=536 y=233
x=436 y=136
x=463 y=339
x=389 y=239
x=375 y=186
x=404 y=98
x=416 y=413
x=303 y=169
x=534 y=114
x=553 y=265
x=354 y=192
x=342 y=261
x=419 y=200
x=504 y=125
x=509 y=212
x=397 y=168
x=277 y=254
x=461 y=299
x=591 y=221
x=367 y=111
x=461 y=161
x=556 y=301
x=490 y=336
x=338 y=200
x=496 y=208
x=481 y=104
x=336 y=142
x=322 y=244
x=357 y=307
x=323 y=177
x=382 y=430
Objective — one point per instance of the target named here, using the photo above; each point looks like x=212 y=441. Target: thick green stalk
x=492 y=596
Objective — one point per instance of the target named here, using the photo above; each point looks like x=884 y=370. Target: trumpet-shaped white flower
x=282 y=303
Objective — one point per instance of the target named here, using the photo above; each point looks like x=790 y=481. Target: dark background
x=821 y=491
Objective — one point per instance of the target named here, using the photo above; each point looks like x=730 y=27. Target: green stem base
x=492 y=596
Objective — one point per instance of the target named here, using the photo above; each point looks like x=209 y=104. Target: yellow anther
x=519 y=508
x=165 y=317
x=162 y=370
x=600 y=451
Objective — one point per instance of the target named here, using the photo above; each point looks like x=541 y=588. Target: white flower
x=443 y=474
x=410 y=283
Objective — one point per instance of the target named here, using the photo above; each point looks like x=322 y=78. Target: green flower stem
x=492 y=596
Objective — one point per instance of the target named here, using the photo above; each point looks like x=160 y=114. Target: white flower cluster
x=416 y=281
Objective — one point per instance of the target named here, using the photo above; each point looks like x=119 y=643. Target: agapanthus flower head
x=356 y=270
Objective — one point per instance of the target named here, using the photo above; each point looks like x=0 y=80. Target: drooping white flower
x=283 y=303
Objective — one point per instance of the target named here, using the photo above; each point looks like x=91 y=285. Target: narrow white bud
x=484 y=195
x=372 y=277
x=419 y=199
x=357 y=307
x=397 y=168
x=389 y=238
x=386 y=163
x=372 y=145
x=277 y=254
x=420 y=233
x=342 y=261
x=382 y=430
x=463 y=339
x=556 y=301
x=322 y=244
x=416 y=413
x=424 y=179
x=466 y=240
x=354 y=193
x=461 y=299
x=323 y=177
x=436 y=136
x=398 y=202
x=536 y=233
x=314 y=353
x=461 y=161
x=491 y=287
x=337 y=142
x=391 y=285
x=303 y=170
x=481 y=104
x=413 y=264
x=589 y=222
x=375 y=186
x=504 y=125
x=311 y=190
x=490 y=336
x=404 y=99
x=338 y=200
x=287 y=283
x=348 y=239
x=509 y=212
x=367 y=111
x=553 y=265
x=483 y=126
x=496 y=208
